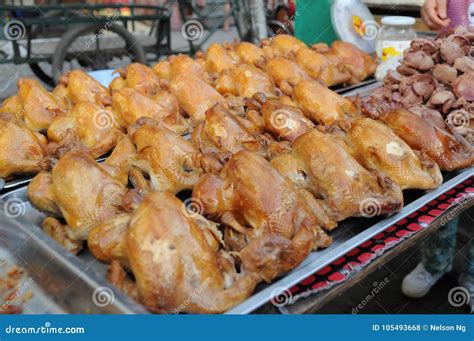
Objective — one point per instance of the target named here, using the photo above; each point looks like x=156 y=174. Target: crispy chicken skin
x=219 y=58
x=194 y=95
x=360 y=64
x=447 y=148
x=80 y=87
x=172 y=163
x=322 y=105
x=21 y=149
x=284 y=45
x=171 y=260
x=266 y=218
x=375 y=146
x=320 y=163
x=180 y=64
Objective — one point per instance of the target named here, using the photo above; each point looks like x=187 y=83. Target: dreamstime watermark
x=371 y=30
x=458 y=205
x=281 y=297
x=377 y=288
x=103 y=119
x=103 y=296
x=458 y=297
x=193 y=296
x=280 y=119
x=15 y=296
x=192 y=30
x=14 y=208
x=14 y=30
x=192 y=207
x=101 y=32
x=370 y=207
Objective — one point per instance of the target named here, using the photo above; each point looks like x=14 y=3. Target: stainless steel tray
x=355 y=87
x=59 y=281
x=350 y=232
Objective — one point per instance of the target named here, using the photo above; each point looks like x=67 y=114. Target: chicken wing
x=320 y=163
x=375 y=146
x=267 y=220
x=447 y=148
x=322 y=105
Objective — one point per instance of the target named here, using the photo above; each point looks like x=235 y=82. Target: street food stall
x=242 y=178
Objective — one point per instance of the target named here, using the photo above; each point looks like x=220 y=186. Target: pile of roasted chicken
x=265 y=158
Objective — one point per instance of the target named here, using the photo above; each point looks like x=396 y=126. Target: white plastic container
x=396 y=34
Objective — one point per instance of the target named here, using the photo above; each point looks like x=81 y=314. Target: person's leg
x=440 y=249
x=437 y=257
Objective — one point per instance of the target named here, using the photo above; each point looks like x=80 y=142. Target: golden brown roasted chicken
x=21 y=150
x=250 y=54
x=223 y=134
x=375 y=146
x=245 y=81
x=194 y=95
x=329 y=71
x=139 y=77
x=360 y=64
x=78 y=86
x=320 y=163
x=322 y=105
x=286 y=74
x=283 y=45
x=178 y=65
x=172 y=163
x=447 y=148
x=285 y=122
x=171 y=259
x=94 y=126
x=33 y=104
x=82 y=191
x=219 y=58
x=267 y=220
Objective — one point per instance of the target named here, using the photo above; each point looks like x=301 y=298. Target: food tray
x=55 y=280
x=349 y=233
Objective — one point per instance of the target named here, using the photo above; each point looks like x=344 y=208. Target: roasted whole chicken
x=219 y=58
x=250 y=54
x=94 y=126
x=181 y=64
x=21 y=149
x=78 y=86
x=283 y=45
x=322 y=105
x=245 y=81
x=360 y=64
x=447 y=148
x=376 y=147
x=222 y=133
x=326 y=69
x=194 y=95
x=33 y=104
x=83 y=192
x=267 y=219
x=171 y=260
x=138 y=77
x=286 y=74
x=320 y=163
x=129 y=105
x=172 y=163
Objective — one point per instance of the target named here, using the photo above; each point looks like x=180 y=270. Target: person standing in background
x=439 y=251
